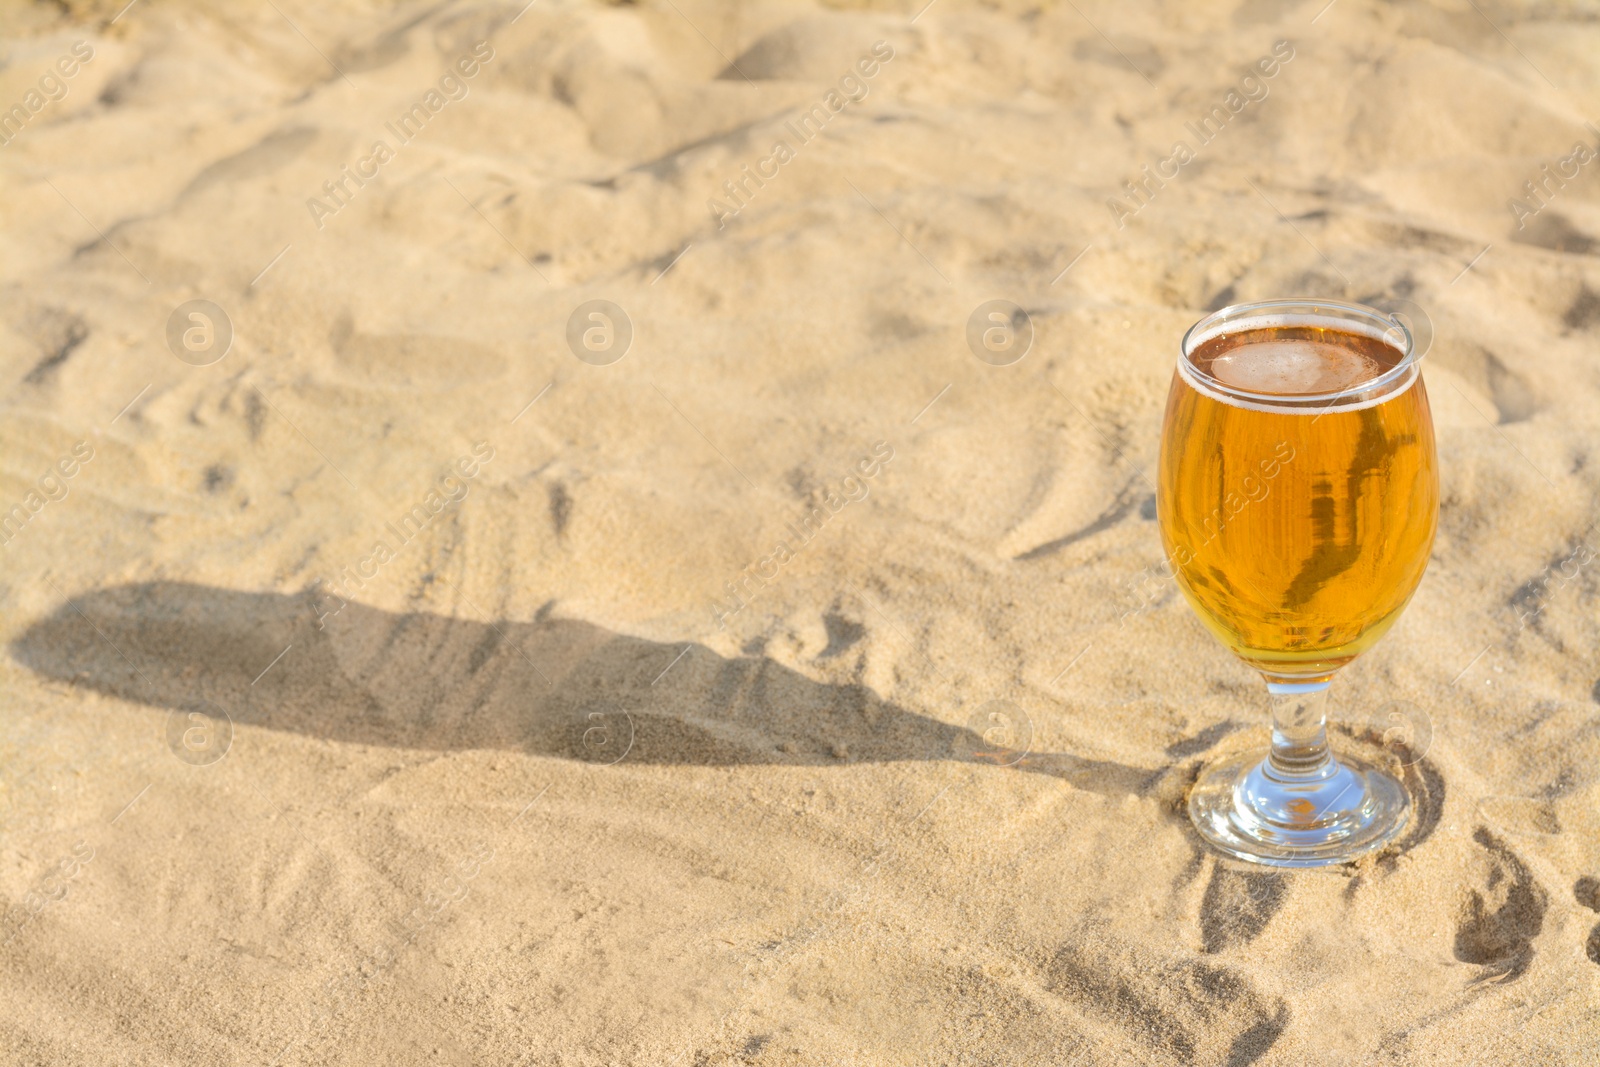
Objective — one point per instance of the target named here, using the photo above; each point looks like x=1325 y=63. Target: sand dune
x=520 y=788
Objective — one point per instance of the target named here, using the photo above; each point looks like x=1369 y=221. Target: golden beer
x=1299 y=512
x=1297 y=502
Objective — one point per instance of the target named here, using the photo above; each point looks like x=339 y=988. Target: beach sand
x=521 y=787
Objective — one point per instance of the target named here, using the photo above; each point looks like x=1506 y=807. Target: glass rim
x=1381 y=326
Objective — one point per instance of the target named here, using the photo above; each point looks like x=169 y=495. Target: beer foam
x=1286 y=367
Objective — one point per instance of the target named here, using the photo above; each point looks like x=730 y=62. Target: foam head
x=1285 y=367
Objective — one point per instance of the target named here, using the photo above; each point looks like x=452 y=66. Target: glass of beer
x=1298 y=496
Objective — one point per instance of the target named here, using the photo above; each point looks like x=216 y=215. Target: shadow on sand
x=551 y=687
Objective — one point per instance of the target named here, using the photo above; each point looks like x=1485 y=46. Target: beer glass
x=1297 y=499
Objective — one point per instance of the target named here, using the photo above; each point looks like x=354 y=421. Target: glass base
x=1247 y=808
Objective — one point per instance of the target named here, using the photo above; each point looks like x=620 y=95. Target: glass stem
x=1299 y=731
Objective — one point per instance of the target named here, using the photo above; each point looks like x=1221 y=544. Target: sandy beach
x=515 y=547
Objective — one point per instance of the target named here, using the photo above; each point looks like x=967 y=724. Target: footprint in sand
x=1587 y=892
x=1497 y=925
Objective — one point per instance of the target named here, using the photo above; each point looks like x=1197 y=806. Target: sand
x=375 y=690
